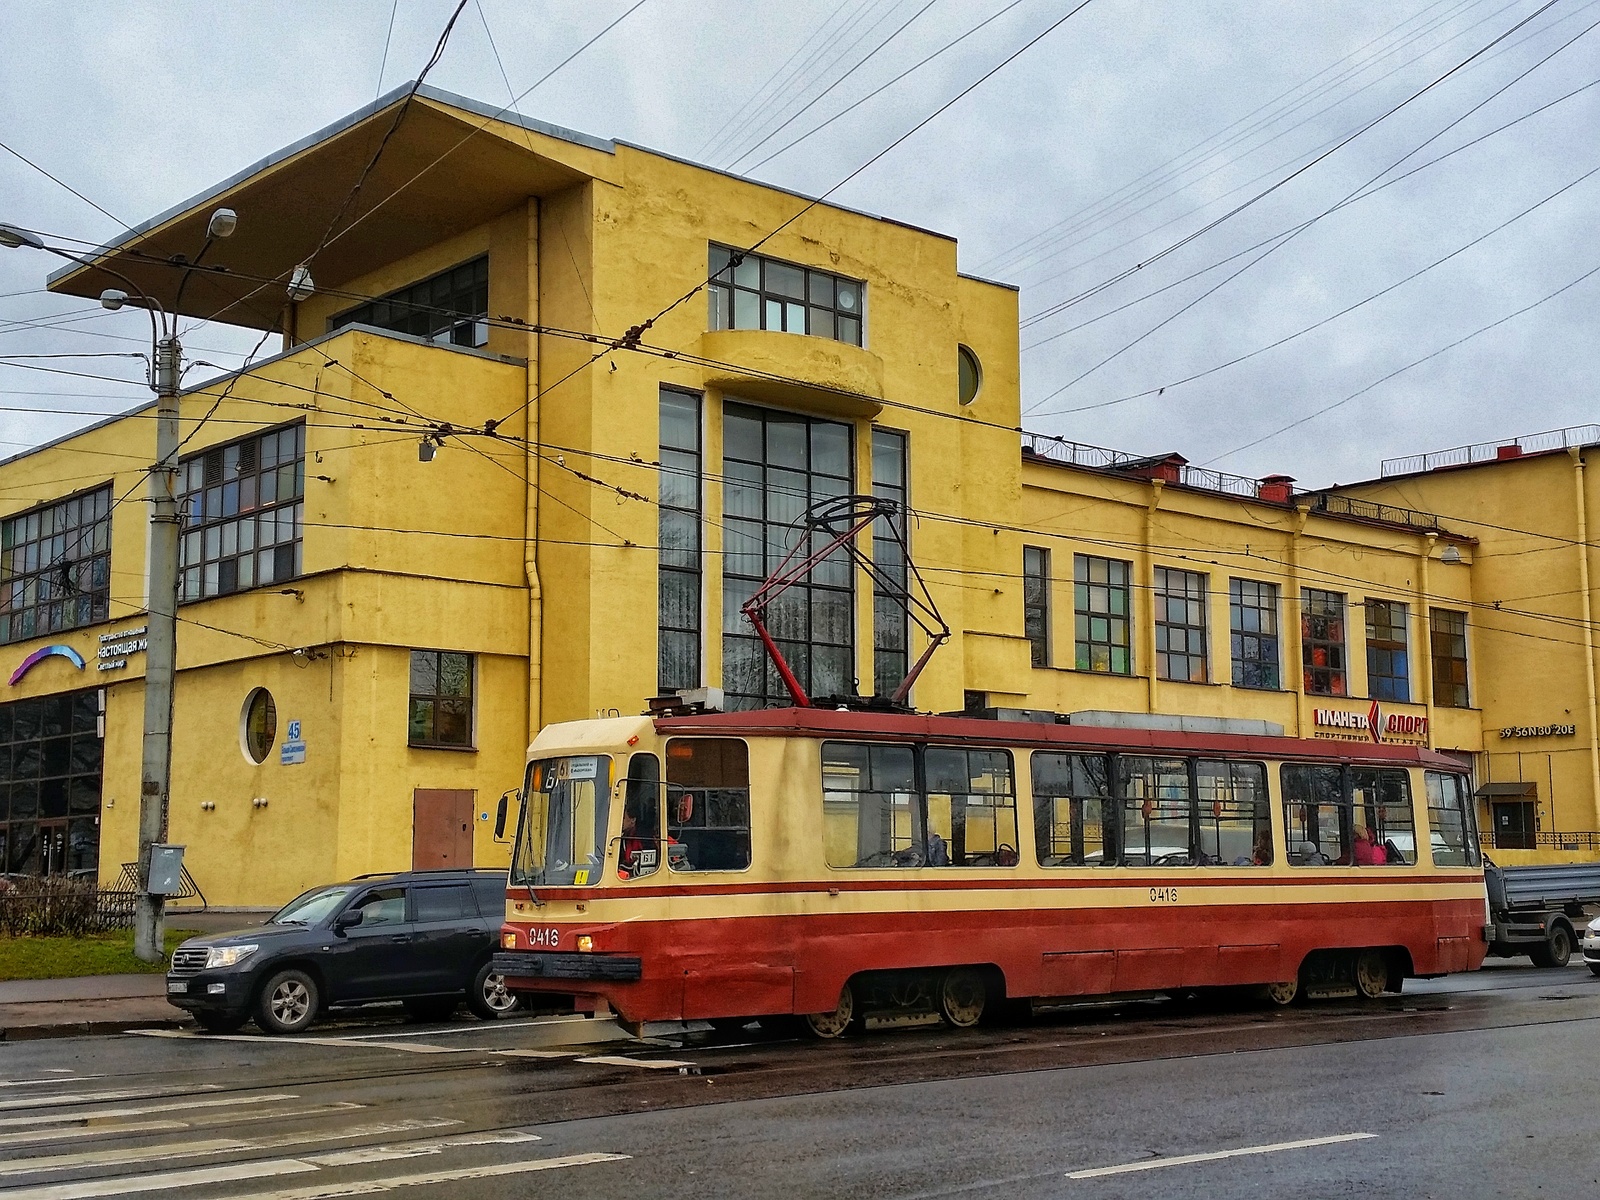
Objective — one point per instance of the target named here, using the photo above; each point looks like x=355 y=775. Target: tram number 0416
x=1163 y=895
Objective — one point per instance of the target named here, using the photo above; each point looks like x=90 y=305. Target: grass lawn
x=60 y=957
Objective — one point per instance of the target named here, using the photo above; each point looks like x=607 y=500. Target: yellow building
x=539 y=424
x=1531 y=504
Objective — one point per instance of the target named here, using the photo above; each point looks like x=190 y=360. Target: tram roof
x=982 y=731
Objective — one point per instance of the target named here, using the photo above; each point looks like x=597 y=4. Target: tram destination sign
x=1375 y=723
x=1539 y=731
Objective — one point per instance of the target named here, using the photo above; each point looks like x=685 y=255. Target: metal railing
x=1338 y=505
x=1458 y=456
x=1583 y=839
x=1099 y=458
x=62 y=907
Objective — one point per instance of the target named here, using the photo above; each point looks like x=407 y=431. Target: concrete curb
x=33 y=1033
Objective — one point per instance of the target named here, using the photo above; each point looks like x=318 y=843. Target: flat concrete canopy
x=449 y=165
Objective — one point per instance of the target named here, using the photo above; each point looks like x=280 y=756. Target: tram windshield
x=562 y=835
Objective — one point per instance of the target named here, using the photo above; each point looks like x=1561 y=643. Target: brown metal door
x=441 y=828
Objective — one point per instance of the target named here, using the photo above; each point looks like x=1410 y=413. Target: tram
x=821 y=865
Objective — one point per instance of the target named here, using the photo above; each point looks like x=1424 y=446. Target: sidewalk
x=40 y=1008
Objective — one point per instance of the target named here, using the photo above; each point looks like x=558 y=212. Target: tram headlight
x=508 y=940
x=585 y=943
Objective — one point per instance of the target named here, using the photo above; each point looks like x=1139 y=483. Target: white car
x=1591 y=946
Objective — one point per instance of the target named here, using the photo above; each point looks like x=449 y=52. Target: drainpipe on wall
x=1423 y=638
x=1147 y=622
x=530 y=543
x=1294 y=647
x=1588 y=632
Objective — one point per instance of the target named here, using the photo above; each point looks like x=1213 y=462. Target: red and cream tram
x=828 y=864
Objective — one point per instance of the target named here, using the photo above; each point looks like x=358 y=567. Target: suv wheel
x=488 y=996
x=288 y=1002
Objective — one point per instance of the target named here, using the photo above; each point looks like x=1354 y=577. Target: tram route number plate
x=544 y=939
x=1163 y=895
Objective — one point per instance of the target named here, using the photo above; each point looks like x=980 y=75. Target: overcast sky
x=1121 y=133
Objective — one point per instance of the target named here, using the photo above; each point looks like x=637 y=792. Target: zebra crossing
x=74 y=1140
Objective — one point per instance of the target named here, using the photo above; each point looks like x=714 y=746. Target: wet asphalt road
x=1474 y=1086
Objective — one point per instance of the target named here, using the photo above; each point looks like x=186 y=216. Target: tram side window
x=871 y=815
x=640 y=849
x=1382 y=799
x=708 y=804
x=972 y=808
x=1315 y=820
x=1074 y=821
x=1156 y=812
x=1235 y=828
x=1452 y=827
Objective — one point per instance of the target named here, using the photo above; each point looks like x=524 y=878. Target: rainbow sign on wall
x=66 y=652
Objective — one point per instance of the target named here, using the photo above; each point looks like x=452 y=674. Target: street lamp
x=155 y=771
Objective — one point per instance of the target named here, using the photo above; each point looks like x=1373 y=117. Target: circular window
x=969 y=375
x=258 y=725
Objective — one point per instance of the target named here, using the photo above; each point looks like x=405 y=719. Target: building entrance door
x=1516 y=824
x=52 y=847
x=441 y=828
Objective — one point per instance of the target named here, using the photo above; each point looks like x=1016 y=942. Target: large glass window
x=972 y=808
x=640 y=849
x=1181 y=625
x=451 y=307
x=1315 y=820
x=1388 y=663
x=1448 y=636
x=763 y=293
x=1102 y=632
x=1074 y=818
x=1253 y=633
x=1036 y=603
x=891 y=625
x=441 y=699
x=774 y=465
x=1452 y=823
x=871 y=810
x=1383 y=829
x=50 y=773
x=1322 y=642
x=243 y=513
x=708 y=804
x=561 y=838
x=678 y=575
x=1157 y=808
x=1235 y=823
x=55 y=566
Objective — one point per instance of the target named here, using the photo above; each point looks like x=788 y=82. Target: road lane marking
x=1179 y=1160
x=649 y=1064
x=78 y=1118
x=369 y=1187
x=342 y=1043
x=121 y=1185
x=82 y=1132
x=480 y=1027
x=535 y=1053
x=57 y=1079
x=101 y=1097
x=201 y=1149
x=375 y=1154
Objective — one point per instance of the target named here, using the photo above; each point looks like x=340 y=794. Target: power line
x=17 y=154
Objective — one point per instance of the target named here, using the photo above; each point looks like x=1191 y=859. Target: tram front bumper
x=550 y=964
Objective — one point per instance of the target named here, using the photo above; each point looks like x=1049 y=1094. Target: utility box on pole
x=166 y=870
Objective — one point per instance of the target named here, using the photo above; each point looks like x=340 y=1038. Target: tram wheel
x=1372 y=974
x=962 y=993
x=832 y=1024
x=1281 y=995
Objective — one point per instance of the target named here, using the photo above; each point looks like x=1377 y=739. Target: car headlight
x=228 y=956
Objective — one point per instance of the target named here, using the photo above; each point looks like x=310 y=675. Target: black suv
x=422 y=937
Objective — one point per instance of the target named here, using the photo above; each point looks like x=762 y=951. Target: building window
x=774 y=465
x=763 y=293
x=1036 y=603
x=258 y=725
x=242 y=510
x=55 y=566
x=891 y=624
x=1253 y=630
x=441 y=699
x=451 y=308
x=969 y=375
x=1388 y=664
x=1181 y=625
x=1448 y=636
x=1102 y=637
x=678 y=575
x=51 y=754
x=1322 y=642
